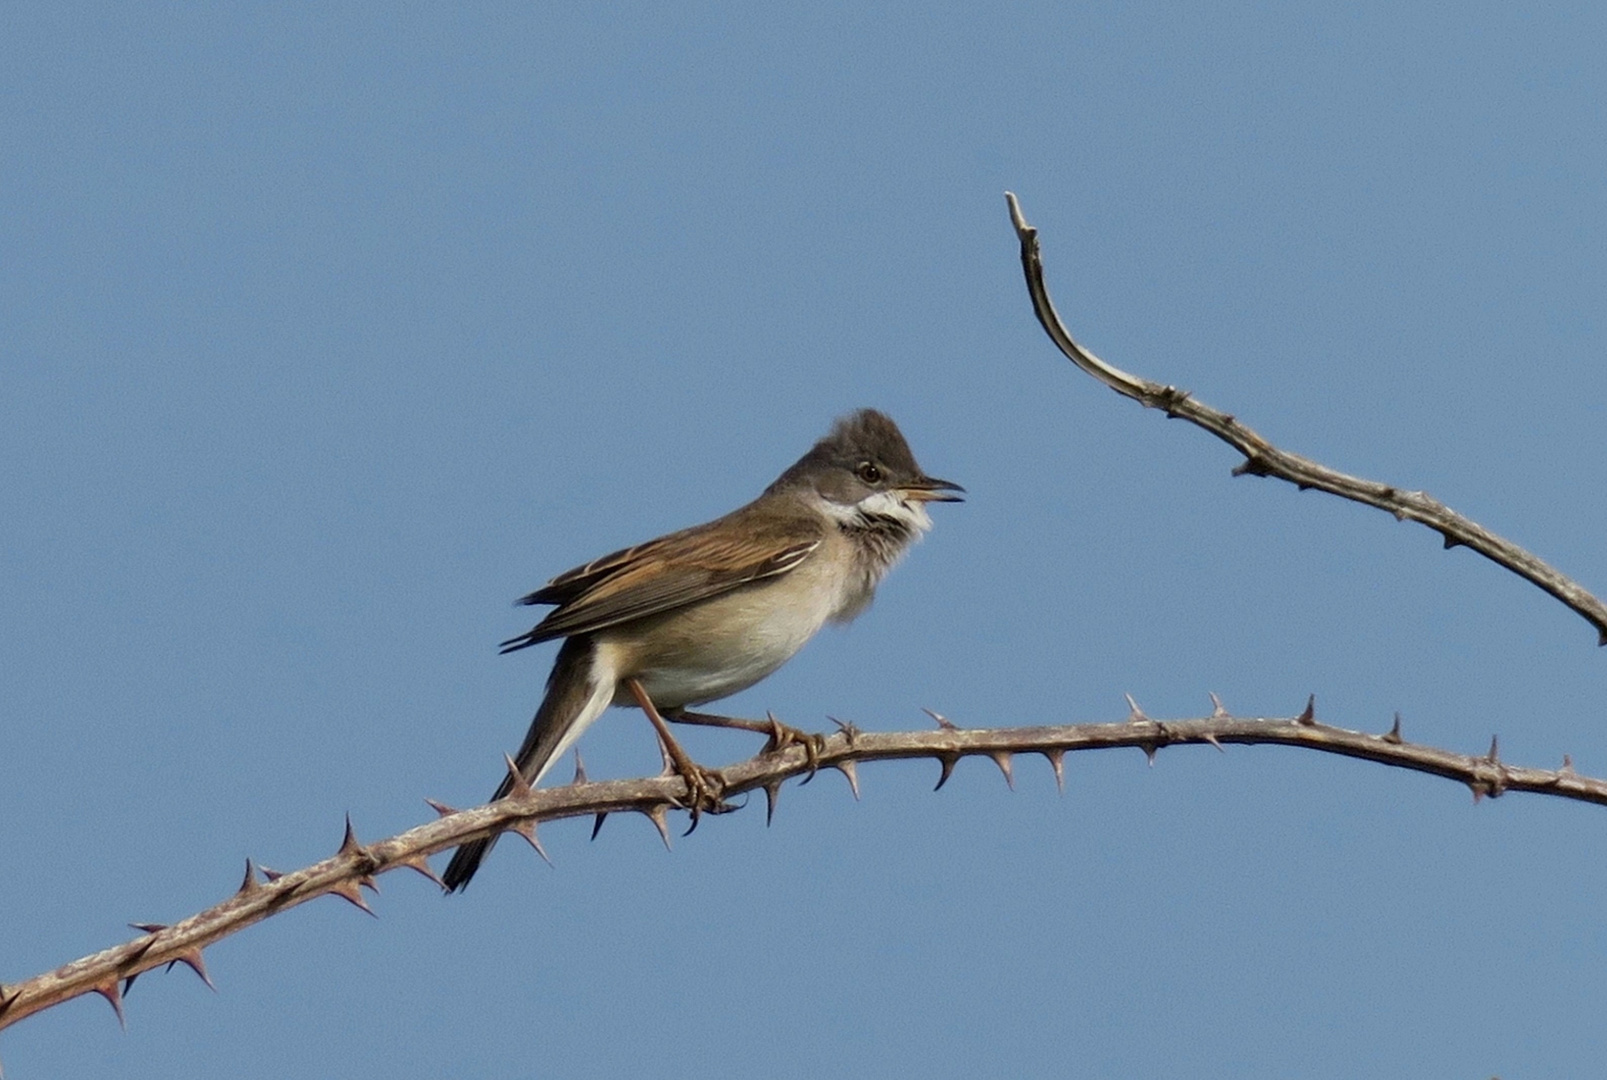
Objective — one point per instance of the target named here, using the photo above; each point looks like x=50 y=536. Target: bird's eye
x=869 y=473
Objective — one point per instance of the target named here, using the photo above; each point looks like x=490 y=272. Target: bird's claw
x=704 y=792
x=784 y=736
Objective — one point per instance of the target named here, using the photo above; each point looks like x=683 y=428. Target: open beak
x=926 y=489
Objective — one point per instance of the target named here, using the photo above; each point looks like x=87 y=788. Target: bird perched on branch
x=700 y=614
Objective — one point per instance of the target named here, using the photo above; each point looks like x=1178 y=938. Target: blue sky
x=325 y=333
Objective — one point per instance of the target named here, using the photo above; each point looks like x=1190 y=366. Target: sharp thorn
x=948 y=762
x=1149 y=749
x=191 y=958
x=141 y=947
x=850 y=730
x=1135 y=715
x=659 y=816
x=1478 y=789
x=114 y=997
x=518 y=786
x=1567 y=765
x=128 y=982
x=1494 y=756
x=250 y=883
x=1451 y=542
x=1210 y=738
x=580 y=772
x=597 y=824
x=1394 y=733
x=148 y=927
x=349 y=844
x=348 y=890
x=1217 y=711
x=848 y=769
x=1308 y=717
x=942 y=721
x=1006 y=765
x=271 y=874
x=422 y=865
x=1057 y=762
x=441 y=808
x=1602 y=638
x=527 y=829
x=772 y=795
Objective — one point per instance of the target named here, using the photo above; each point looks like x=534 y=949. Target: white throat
x=880 y=504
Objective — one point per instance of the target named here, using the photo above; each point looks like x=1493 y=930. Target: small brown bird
x=700 y=614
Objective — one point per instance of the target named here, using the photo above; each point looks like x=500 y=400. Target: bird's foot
x=784 y=736
x=705 y=788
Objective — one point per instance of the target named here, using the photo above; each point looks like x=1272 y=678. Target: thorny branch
x=1261 y=458
x=355 y=866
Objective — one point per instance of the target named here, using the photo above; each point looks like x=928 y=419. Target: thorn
x=942 y=721
x=1149 y=749
x=1057 y=762
x=1394 y=734
x=848 y=769
x=597 y=825
x=527 y=829
x=659 y=816
x=1451 y=542
x=1002 y=759
x=441 y=808
x=772 y=795
x=114 y=996
x=1602 y=638
x=148 y=927
x=1135 y=715
x=349 y=844
x=249 y=884
x=348 y=890
x=947 y=761
x=1494 y=756
x=518 y=786
x=192 y=959
x=1479 y=789
x=1308 y=718
x=271 y=874
x=1567 y=766
x=580 y=772
x=1210 y=738
x=422 y=865
x=849 y=730
x=1217 y=711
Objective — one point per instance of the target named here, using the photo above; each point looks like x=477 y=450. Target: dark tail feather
x=569 y=688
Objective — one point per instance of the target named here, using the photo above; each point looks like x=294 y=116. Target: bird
x=700 y=614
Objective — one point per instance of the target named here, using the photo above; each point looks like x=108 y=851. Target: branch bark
x=1261 y=458
x=354 y=866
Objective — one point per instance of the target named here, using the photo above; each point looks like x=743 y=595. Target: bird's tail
x=577 y=694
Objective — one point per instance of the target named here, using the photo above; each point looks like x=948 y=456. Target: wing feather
x=670 y=572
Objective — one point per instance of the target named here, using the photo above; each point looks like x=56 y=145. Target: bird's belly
x=715 y=649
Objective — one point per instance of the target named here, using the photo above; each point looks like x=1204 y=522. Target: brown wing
x=670 y=572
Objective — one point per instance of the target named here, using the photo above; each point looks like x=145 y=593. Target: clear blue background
x=325 y=333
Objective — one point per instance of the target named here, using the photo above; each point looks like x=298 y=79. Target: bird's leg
x=781 y=735
x=703 y=786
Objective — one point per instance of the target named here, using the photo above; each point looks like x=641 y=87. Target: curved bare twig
x=1261 y=458
x=355 y=865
